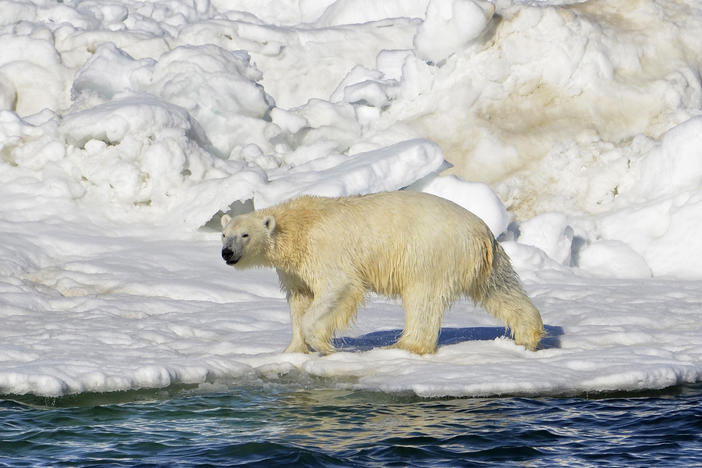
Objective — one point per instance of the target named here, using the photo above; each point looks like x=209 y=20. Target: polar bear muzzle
x=230 y=256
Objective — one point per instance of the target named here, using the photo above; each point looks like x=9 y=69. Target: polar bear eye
x=244 y=235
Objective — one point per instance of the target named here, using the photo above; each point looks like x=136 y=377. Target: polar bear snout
x=229 y=256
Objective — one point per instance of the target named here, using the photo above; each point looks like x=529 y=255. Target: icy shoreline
x=127 y=314
x=574 y=130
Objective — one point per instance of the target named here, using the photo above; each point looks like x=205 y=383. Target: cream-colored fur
x=428 y=251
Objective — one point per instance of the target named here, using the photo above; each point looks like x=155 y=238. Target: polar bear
x=330 y=252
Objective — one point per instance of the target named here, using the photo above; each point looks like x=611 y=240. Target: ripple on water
x=327 y=427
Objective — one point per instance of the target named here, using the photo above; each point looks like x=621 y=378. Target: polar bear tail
x=504 y=298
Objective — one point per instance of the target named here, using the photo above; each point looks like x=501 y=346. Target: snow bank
x=572 y=128
x=449 y=27
x=84 y=312
x=475 y=197
x=342 y=12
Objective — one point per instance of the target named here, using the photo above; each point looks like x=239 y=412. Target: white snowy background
x=573 y=128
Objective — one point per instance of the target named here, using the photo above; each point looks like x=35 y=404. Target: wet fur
x=330 y=252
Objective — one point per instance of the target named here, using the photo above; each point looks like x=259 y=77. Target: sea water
x=264 y=425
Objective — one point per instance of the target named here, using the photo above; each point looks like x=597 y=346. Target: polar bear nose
x=227 y=254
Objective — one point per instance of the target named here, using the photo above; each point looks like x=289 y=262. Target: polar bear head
x=246 y=239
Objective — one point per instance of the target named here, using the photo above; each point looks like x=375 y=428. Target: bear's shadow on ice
x=448 y=336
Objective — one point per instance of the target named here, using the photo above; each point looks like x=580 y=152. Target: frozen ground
x=574 y=129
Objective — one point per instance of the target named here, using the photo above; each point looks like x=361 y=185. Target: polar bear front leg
x=299 y=303
x=330 y=311
x=315 y=333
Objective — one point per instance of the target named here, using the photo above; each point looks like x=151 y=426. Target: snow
x=449 y=27
x=572 y=128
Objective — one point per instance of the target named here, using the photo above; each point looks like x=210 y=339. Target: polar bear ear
x=225 y=220
x=269 y=224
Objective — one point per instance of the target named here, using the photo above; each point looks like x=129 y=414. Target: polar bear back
x=386 y=241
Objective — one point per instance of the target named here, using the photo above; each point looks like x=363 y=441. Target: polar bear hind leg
x=504 y=298
x=423 y=316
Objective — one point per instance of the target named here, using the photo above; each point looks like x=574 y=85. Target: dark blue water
x=278 y=425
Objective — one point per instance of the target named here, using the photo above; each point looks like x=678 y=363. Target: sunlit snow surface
x=126 y=126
